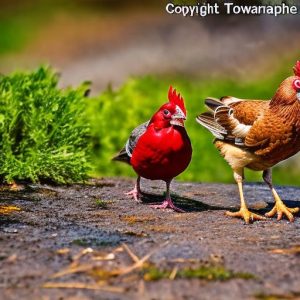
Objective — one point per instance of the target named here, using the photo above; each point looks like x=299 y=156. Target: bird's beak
x=178 y=118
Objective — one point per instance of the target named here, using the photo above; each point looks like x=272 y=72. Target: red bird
x=159 y=149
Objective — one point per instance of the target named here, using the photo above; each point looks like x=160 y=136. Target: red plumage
x=162 y=153
x=161 y=148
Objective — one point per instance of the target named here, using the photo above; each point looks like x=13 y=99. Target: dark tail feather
x=207 y=121
x=213 y=103
x=122 y=156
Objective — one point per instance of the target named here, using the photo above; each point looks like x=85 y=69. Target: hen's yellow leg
x=279 y=208
x=243 y=213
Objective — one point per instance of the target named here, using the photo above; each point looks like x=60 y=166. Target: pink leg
x=168 y=203
x=136 y=192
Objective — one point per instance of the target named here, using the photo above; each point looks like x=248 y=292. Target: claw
x=134 y=194
x=168 y=203
x=245 y=214
x=281 y=209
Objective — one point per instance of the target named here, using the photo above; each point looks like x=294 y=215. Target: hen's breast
x=162 y=153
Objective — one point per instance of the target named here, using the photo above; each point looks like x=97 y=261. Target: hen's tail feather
x=222 y=115
x=212 y=103
x=122 y=156
x=207 y=121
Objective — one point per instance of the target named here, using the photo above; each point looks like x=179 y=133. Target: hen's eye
x=296 y=84
x=166 y=112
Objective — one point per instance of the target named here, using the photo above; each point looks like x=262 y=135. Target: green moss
x=101 y=203
x=81 y=242
x=289 y=296
x=152 y=272
x=211 y=273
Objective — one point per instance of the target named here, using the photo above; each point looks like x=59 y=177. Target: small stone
x=10 y=230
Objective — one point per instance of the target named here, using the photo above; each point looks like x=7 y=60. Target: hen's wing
x=231 y=119
x=269 y=132
x=126 y=152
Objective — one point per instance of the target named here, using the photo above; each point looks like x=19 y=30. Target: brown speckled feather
x=269 y=132
x=276 y=134
x=248 y=111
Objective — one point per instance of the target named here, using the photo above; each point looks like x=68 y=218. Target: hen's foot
x=168 y=203
x=281 y=209
x=245 y=214
x=135 y=194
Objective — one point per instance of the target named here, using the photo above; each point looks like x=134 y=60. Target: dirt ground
x=91 y=242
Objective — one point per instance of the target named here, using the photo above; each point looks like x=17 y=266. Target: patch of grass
x=101 y=203
x=289 y=296
x=213 y=273
x=81 y=242
x=152 y=272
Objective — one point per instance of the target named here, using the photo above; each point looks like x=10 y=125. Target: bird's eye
x=296 y=84
x=166 y=112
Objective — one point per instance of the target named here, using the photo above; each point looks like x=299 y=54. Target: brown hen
x=257 y=134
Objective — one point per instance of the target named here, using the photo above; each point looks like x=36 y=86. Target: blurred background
x=132 y=51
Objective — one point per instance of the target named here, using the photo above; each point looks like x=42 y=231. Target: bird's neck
x=290 y=113
x=285 y=94
x=160 y=123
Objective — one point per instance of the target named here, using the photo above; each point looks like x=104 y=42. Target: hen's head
x=171 y=113
x=288 y=92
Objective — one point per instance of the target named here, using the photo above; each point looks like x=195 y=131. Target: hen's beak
x=178 y=118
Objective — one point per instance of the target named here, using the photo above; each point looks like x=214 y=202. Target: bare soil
x=81 y=230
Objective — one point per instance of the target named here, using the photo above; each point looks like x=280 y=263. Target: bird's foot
x=245 y=214
x=168 y=203
x=281 y=209
x=135 y=194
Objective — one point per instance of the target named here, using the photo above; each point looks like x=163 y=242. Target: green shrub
x=43 y=135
